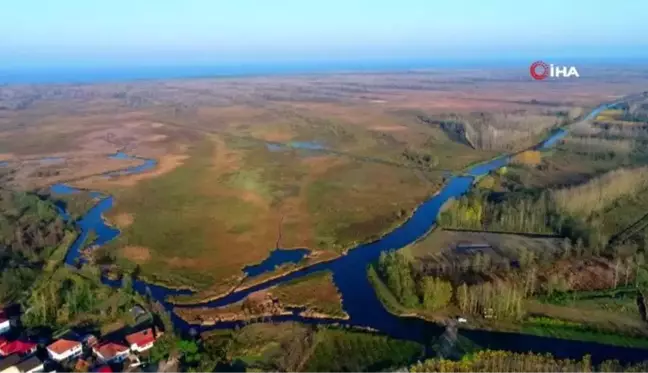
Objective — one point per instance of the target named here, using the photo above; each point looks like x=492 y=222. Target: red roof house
x=17 y=347
x=111 y=352
x=64 y=349
x=142 y=340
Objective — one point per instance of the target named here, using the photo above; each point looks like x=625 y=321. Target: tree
x=189 y=350
x=163 y=348
x=436 y=293
x=396 y=270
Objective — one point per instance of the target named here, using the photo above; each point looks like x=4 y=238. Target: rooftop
x=141 y=338
x=18 y=347
x=63 y=345
x=110 y=349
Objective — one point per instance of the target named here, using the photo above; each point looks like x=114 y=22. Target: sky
x=168 y=32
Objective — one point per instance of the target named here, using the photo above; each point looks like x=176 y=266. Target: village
x=125 y=350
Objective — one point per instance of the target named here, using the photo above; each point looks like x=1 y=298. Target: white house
x=64 y=349
x=111 y=352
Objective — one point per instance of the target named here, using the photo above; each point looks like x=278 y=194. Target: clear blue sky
x=211 y=31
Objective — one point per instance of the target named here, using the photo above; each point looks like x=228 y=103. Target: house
x=64 y=349
x=5 y=322
x=9 y=363
x=17 y=347
x=31 y=365
x=111 y=352
x=142 y=340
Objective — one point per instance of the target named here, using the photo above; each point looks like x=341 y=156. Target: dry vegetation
x=600 y=192
x=218 y=189
x=316 y=296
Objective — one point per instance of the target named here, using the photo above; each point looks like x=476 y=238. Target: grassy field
x=345 y=351
x=444 y=242
x=237 y=195
x=295 y=347
x=316 y=292
x=558 y=328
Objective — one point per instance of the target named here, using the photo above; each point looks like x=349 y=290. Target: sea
x=104 y=73
x=90 y=74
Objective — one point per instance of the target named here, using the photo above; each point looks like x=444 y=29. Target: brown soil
x=124 y=220
x=586 y=274
x=137 y=254
x=166 y=163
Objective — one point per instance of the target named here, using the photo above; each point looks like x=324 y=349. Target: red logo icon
x=539 y=70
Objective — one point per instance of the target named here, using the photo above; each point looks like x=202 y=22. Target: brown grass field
x=221 y=199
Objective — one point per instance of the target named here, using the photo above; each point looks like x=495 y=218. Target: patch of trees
x=496 y=286
x=596 y=194
x=494 y=131
x=30 y=229
x=502 y=299
x=419 y=291
x=28 y=225
x=343 y=351
x=507 y=361
x=67 y=298
x=515 y=212
x=412 y=291
x=420 y=159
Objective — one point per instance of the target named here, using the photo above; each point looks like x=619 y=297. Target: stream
x=359 y=299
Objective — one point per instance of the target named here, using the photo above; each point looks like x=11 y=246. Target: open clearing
x=238 y=196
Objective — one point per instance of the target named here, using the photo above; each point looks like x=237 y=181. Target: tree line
x=500 y=298
x=508 y=361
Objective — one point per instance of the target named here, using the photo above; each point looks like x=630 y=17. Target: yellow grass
x=598 y=193
x=528 y=157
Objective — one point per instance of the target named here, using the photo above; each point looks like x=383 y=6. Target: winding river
x=349 y=273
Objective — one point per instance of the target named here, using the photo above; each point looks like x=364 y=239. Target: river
x=349 y=274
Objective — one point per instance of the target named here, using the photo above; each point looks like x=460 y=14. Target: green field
x=316 y=292
x=238 y=196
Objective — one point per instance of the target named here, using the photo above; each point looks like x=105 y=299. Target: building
x=142 y=340
x=64 y=349
x=111 y=352
x=8 y=364
x=17 y=347
x=31 y=365
x=5 y=322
